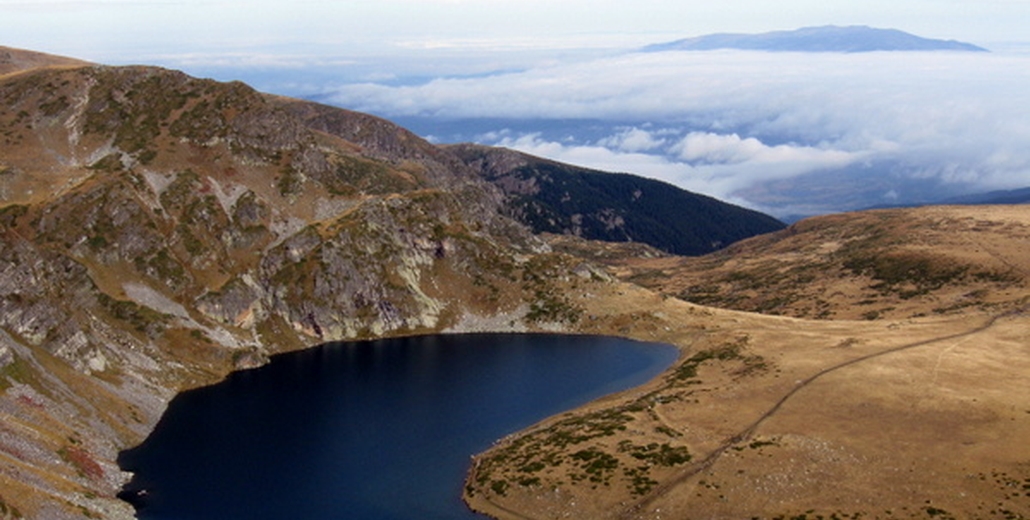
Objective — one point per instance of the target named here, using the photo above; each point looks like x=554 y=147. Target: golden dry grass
x=894 y=418
x=867 y=265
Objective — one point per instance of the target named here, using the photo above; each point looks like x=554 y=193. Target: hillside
x=883 y=264
x=16 y=60
x=919 y=413
x=551 y=197
x=828 y=38
x=158 y=231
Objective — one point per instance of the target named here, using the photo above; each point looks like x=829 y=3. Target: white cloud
x=729 y=120
x=599 y=157
x=716 y=148
x=633 y=140
x=709 y=148
x=722 y=179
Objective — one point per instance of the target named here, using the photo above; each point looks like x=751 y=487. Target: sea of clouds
x=790 y=133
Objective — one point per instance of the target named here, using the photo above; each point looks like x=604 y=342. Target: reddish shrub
x=82 y=461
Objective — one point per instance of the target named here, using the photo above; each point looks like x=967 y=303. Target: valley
x=159 y=231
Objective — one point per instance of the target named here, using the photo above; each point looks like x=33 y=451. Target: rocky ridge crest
x=160 y=230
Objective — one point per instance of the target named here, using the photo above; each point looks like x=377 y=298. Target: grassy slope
x=921 y=417
x=869 y=265
x=790 y=418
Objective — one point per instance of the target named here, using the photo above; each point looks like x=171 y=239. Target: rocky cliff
x=158 y=231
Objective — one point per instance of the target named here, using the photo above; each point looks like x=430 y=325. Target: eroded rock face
x=31 y=281
x=159 y=231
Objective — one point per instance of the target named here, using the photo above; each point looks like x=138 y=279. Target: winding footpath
x=636 y=509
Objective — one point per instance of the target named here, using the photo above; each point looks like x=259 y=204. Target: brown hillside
x=786 y=418
x=158 y=231
x=17 y=60
x=878 y=264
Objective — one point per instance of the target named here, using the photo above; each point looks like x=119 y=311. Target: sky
x=786 y=133
x=120 y=30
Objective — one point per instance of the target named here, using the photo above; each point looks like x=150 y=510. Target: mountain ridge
x=16 y=60
x=158 y=231
x=551 y=197
x=829 y=38
x=885 y=254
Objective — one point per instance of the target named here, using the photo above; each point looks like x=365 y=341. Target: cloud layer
x=724 y=122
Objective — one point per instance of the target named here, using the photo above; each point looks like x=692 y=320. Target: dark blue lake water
x=370 y=430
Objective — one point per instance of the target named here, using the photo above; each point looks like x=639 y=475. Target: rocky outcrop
x=382 y=140
x=159 y=231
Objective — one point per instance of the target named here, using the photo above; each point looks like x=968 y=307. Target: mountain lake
x=368 y=430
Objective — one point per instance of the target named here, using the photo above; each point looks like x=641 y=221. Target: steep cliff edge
x=158 y=231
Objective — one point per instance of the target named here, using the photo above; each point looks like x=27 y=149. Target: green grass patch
x=598 y=465
x=9 y=511
x=687 y=371
x=17 y=371
x=143 y=319
x=657 y=454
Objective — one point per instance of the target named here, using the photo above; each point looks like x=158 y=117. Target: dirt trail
x=745 y=434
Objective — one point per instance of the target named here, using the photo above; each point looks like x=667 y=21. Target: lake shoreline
x=379 y=355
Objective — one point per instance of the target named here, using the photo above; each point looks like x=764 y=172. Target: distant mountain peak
x=829 y=38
